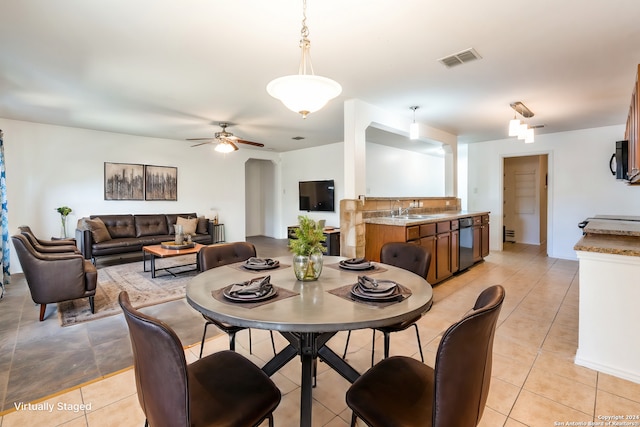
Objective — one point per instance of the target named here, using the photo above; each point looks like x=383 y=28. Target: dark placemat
x=376 y=269
x=282 y=294
x=240 y=266
x=345 y=292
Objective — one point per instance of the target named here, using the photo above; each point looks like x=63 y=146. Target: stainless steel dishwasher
x=466 y=243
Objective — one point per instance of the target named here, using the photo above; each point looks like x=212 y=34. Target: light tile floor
x=534 y=383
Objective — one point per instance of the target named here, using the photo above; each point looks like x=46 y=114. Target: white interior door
x=522 y=199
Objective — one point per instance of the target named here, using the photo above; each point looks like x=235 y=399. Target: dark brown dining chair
x=401 y=391
x=411 y=257
x=55 y=277
x=222 y=389
x=218 y=255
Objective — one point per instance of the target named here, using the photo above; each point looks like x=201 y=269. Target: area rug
x=143 y=290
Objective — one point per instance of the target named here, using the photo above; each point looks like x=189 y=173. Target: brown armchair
x=55 y=277
x=48 y=246
x=222 y=389
x=402 y=391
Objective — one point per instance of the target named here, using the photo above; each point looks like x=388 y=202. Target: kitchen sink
x=412 y=216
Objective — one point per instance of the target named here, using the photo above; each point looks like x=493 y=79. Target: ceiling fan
x=226 y=141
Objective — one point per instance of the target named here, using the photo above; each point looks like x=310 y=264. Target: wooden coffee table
x=157 y=251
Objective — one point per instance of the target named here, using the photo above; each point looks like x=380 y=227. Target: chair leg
x=92 y=304
x=419 y=344
x=250 y=346
x=204 y=334
x=346 y=345
x=270 y=420
x=353 y=419
x=387 y=338
x=43 y=308
x=146 y=423
x=232 y=341
x=373 y=345
x=273 y=343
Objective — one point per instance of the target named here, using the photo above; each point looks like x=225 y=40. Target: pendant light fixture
x=414 y=129
x=304 y=93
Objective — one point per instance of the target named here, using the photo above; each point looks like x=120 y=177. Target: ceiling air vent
x=460 y=58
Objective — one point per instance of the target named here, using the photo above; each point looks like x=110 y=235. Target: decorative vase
x=63 y=228
x=307 y=268
x=179 y=234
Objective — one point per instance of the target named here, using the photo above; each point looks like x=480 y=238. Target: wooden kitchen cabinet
x=484 y=236
x=441 y=239
x=480 y=237
x=455 y=246
x=477 y=238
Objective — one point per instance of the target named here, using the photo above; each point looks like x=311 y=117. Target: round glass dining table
x=308 y=314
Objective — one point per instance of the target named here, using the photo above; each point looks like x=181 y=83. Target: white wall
x=49 y=166
x=311 y=164
x=393 y=172
x=260 y=198
x=580 y=183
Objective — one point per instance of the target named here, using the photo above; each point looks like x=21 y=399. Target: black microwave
x=621 y=158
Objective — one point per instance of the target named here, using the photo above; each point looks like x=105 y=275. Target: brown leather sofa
x=55 y=277
x=130 y=232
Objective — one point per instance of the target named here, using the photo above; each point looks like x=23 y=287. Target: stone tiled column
x=352 y=231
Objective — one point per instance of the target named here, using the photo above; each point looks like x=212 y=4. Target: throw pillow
x=188 y=225
x=203 y=225
x=98 y=230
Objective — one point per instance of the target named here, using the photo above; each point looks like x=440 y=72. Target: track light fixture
x=520 y=129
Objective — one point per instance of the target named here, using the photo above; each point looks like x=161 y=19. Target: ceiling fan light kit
x=225 y=147
x=304 y=93
x=225 y=141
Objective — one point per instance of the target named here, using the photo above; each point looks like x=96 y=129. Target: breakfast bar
x=609 y=256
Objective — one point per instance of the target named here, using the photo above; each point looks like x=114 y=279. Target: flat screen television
x=316 y=195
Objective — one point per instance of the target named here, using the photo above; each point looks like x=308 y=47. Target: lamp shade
x=224 y=147
x=414 y=131
x=529 y=136
x=522 y=131
x=304 y=93
x=514 y=125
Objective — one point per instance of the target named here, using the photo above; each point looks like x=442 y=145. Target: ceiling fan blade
x=255 y=144
x=200 y=139
x=202 y=143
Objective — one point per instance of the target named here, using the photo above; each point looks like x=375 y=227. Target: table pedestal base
x=310 y=346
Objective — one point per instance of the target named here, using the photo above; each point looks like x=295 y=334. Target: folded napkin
x=254 y=288
x=355 y=261
x=267 y=262
x=373 y=286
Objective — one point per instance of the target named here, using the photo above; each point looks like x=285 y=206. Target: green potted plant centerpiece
x=63 y=211
x=307 y=249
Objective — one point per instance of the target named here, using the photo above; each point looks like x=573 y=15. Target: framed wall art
x=161 y=182
x=123 y=181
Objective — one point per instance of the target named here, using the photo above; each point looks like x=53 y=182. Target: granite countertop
x=618 y=235
x=426 y=218
x=609 y=244
x=617 y=227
